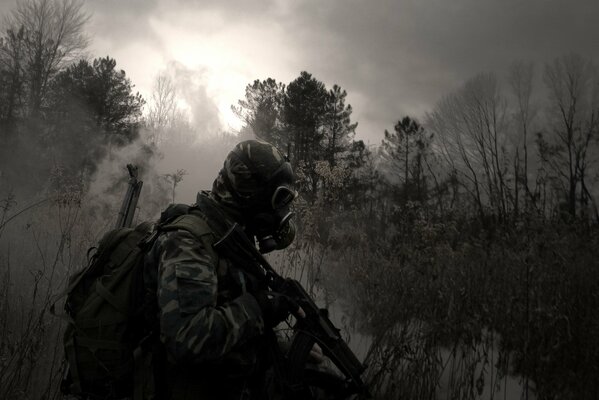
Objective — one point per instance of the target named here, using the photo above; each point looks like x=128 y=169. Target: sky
x=393 y=57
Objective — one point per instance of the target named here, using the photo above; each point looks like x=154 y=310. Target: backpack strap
x=192 y=223
x=196 y=225
x=220 y=223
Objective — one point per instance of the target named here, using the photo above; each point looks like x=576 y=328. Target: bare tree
x=163 y=106
x=470 y=126
x=52 y=37
x=573 y=84
x=520 y=78
x=175 y=178
x=166 y=121
x=11 y=72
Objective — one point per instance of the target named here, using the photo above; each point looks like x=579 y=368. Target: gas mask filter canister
x=275 y=229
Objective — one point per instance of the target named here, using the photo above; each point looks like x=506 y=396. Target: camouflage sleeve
x=192 y=327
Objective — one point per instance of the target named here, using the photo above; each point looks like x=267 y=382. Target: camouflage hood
x=250 y=174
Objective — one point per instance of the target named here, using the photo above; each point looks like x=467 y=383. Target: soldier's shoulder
x=171 y=243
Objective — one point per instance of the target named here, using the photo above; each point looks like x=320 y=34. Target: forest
x=459 y=253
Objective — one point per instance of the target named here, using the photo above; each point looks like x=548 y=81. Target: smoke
x=195 y=140
x=108 y=184
x=201 y=160
x=191 y=86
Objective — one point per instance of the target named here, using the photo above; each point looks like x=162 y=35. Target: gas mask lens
x=282 y=197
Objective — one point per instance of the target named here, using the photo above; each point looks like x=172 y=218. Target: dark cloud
x=394 y=57
x=401 y=56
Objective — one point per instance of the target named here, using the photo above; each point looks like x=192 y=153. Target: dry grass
x=439 y=308
x=40 y=245
x=455 y=310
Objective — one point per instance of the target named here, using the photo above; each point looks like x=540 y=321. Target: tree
x=12 y=77
x=166 y=122
x=175 y=178
x=521 y=82
x=338 y=129
x=52 y=36
x=91 y=105
x=99 y=94
x=363 y=186
x=261 y=110
x=404 y=151
x=304 y=119
x=304 y=107
x=163 y=106
x=471 y=127
x=574 y=111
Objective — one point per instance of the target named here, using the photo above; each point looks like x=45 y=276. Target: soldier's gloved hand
x=276 y=307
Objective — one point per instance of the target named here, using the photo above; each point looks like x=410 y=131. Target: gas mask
x=256 y=182
x=273 y=226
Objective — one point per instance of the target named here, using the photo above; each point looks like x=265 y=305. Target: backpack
x=107 y=309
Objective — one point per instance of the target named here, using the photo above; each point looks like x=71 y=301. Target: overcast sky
x=394 y=57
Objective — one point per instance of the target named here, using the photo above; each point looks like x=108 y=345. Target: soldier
x=214 y=315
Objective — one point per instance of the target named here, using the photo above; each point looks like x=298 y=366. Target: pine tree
x=403 y=151
x=304 y=109
x=261 y=110
x=338 y=129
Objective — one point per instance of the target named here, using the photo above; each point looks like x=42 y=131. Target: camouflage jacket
x=210 y=324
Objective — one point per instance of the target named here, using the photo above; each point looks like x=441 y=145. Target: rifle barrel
x=127 y=212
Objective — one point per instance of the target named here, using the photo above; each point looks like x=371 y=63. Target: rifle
x=316 y=327
x=129 y=204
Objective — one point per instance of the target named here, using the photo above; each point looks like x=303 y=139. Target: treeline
x=465 y=244
x=63 y=116
x=525 y=147
x=309 y=122
x=58 y=110
x=496 y=147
